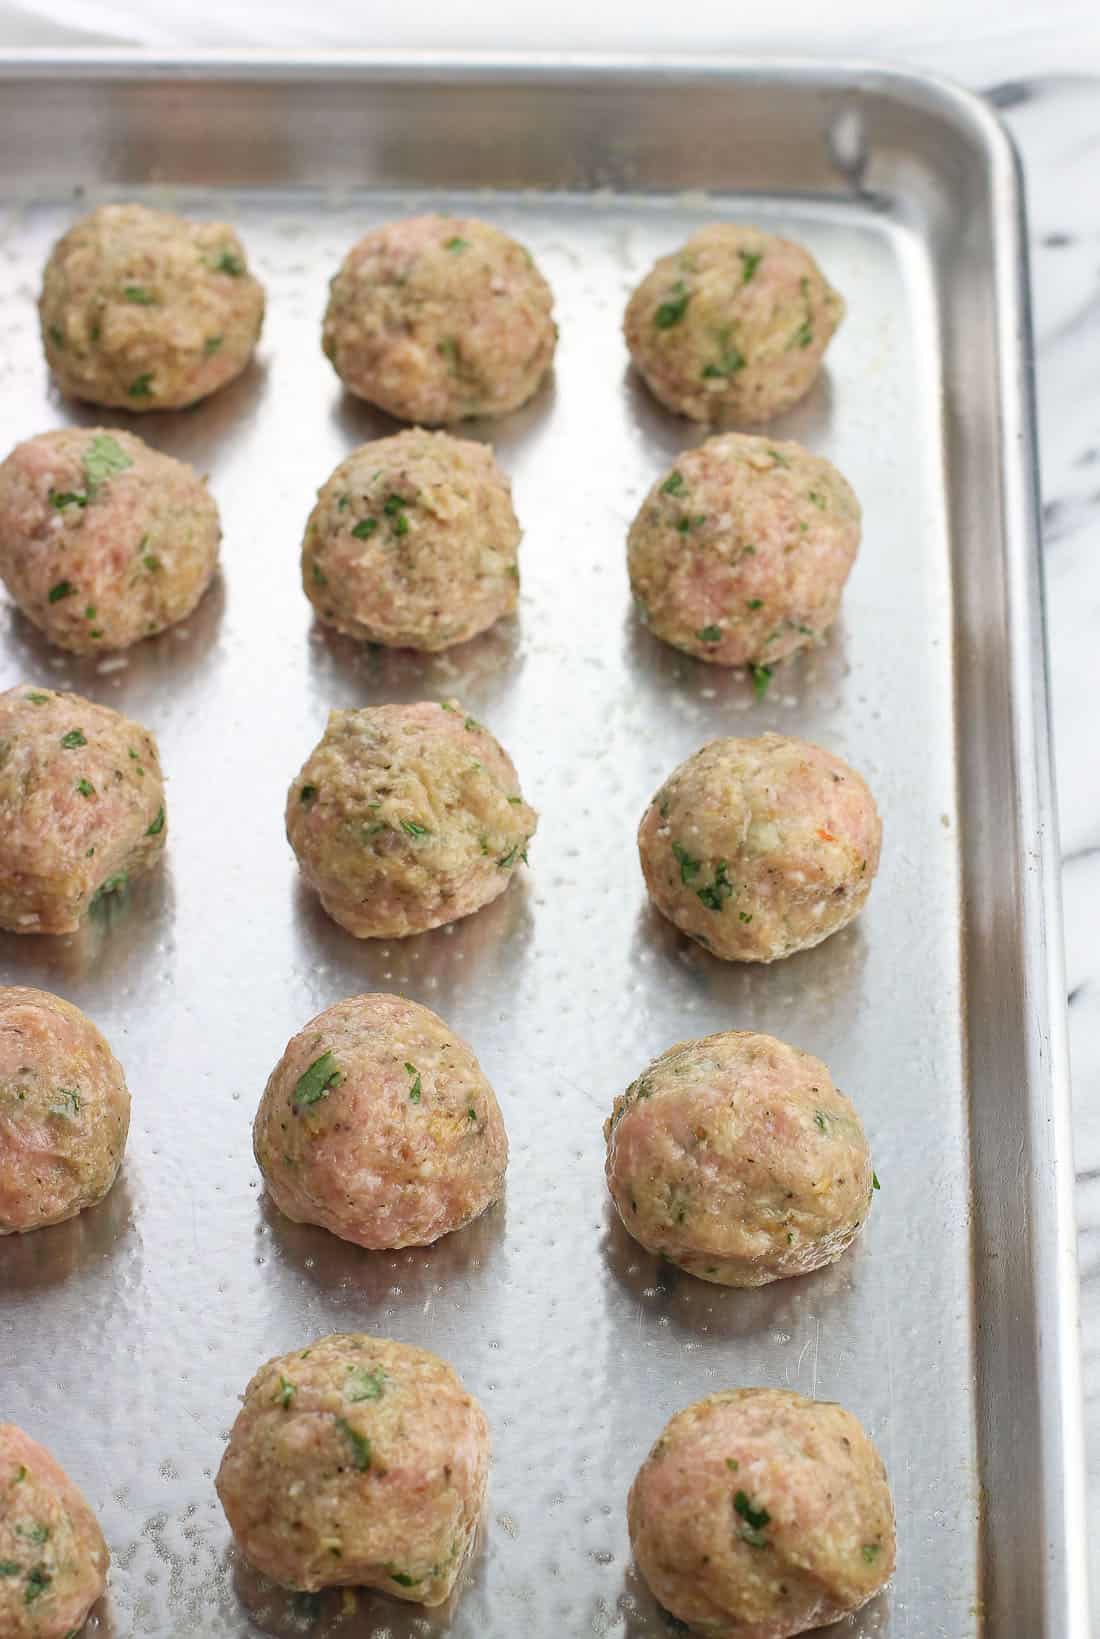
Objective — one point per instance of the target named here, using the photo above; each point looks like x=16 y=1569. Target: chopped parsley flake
x=308 y=794
x=365 y=1384
x=86 y=788
x=401 y=524
x=761 y=677
x=35 y=698
x=37 y=1583
x=715 y=894
x=818 y=500
x=316 y=1082
x=402 y=1578
x=285 y=1393
x=414 y=1078
x=229 y=262
x=60 y=589
x=151 y=562
x=139 y=295
x=73 y=739
x=688 y=867
x=157 y=825
x=319 y=576
x=871 y=1551
x=471 y=1114
x=113 y=884
x=744 y=916
x=709 y=634
x=750 y=261
x=365 y=528
x=211 y=344
x=455 y=244
x=360 y=1445
x=412 y=829
x=472 y=725
x=755 y=603
x=732 y=1464
x=8 y=1567
x=874 y=1181
x=141 y=386
x=754 y=1520
x=821 y=1120
x=672 y=311
x=779 y=458
x=728 y=365
x=61 y=498
x=394 y=505
x=673 y=484
x=57 y=335
x=803 y=336
x=515 y=800
x=509 y=858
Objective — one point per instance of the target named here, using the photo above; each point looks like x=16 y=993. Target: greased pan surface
x=127 y=1335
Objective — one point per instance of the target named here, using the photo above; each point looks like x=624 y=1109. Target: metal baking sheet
x=125 y=1337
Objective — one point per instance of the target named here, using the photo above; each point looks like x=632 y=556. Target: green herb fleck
x=761 y=677
x=157 y=825
x=673 y=310
x=139 y=296
x=69 y=1102
x=229 y=262
x=515 y=801
x=715 y=894
x=821 y=1120
x=308 y=794
x=86 y=788
x=754 y=1521
x=56 y=335
x=73 y=739
x=414 y=1089
x=113 y=884
x=779 y=458
x=8 y=1567
x=744 y=916
x=871 y=1551
x=365 y=1384
x=472 y=725
x=471 y=1114
x=141 y=386
x=401 y=524
x=755 y=603
x=509 y=858
x=285 y=1393
x=37 y=1583
x=874 y=1181
x=365 y=528
x=60 y=589
x=457 y=243
x=750 y=261
x=35 y=698
x=709 y=634
x=319 y=576
x=316 y=1082
x=360 y=1445
x=402 y=1578
x=89 y=613
x=673 y=484
x=728 y=365
x=211 y=344
x=61 y=498
x=394 y=504
x=688 y=867
x=732 y=1464
x=412 y=829
x=818 y=500
x=803 y=336
x=151 y=562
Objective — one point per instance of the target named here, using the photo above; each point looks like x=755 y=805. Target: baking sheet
x=126 y=1336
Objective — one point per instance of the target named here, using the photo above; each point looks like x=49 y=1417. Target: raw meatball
x=761 y=1513
x=737 y=1158
x=377 y=1123
x=758 y=848
x=440 y=317
x=358 y=1462
x=102 y=540
x=406 y=817
x=733 y=326
x=144 y=310
x=740 y=553
x=413 y=542
x=64 y=1111
x=53 y=1559
x=81 y=807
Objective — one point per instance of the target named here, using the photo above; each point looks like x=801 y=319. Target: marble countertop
x=1040 y=65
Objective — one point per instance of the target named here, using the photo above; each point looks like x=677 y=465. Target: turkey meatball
x=406 y=817
x=143 y=310
x=736 y=1158
x=53 y=1559
x=764 y=1514
x=413 y=542
x=81 y=807
x=102 y=540
x=378 y=1124
x=758 y=848
x=64 y=1111
x=357 y=1462
x=436 y=318
x=733 y=326
x=739 y=555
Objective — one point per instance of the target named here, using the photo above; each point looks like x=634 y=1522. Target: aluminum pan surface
x=136 y=1327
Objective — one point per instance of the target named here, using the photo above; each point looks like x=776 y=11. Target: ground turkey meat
x=358 y=1462
x=736 y=1158
x=733 y=326
x=81 y=807
x=102 y=540
x=143 y=310
x=758 y=848
x=378 y=1124
x=413 y=542
x=436 y=318
x=64 y=1111
x=406 y=817
x=53 y=1559
x=762 y=1514
x=739 y=555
